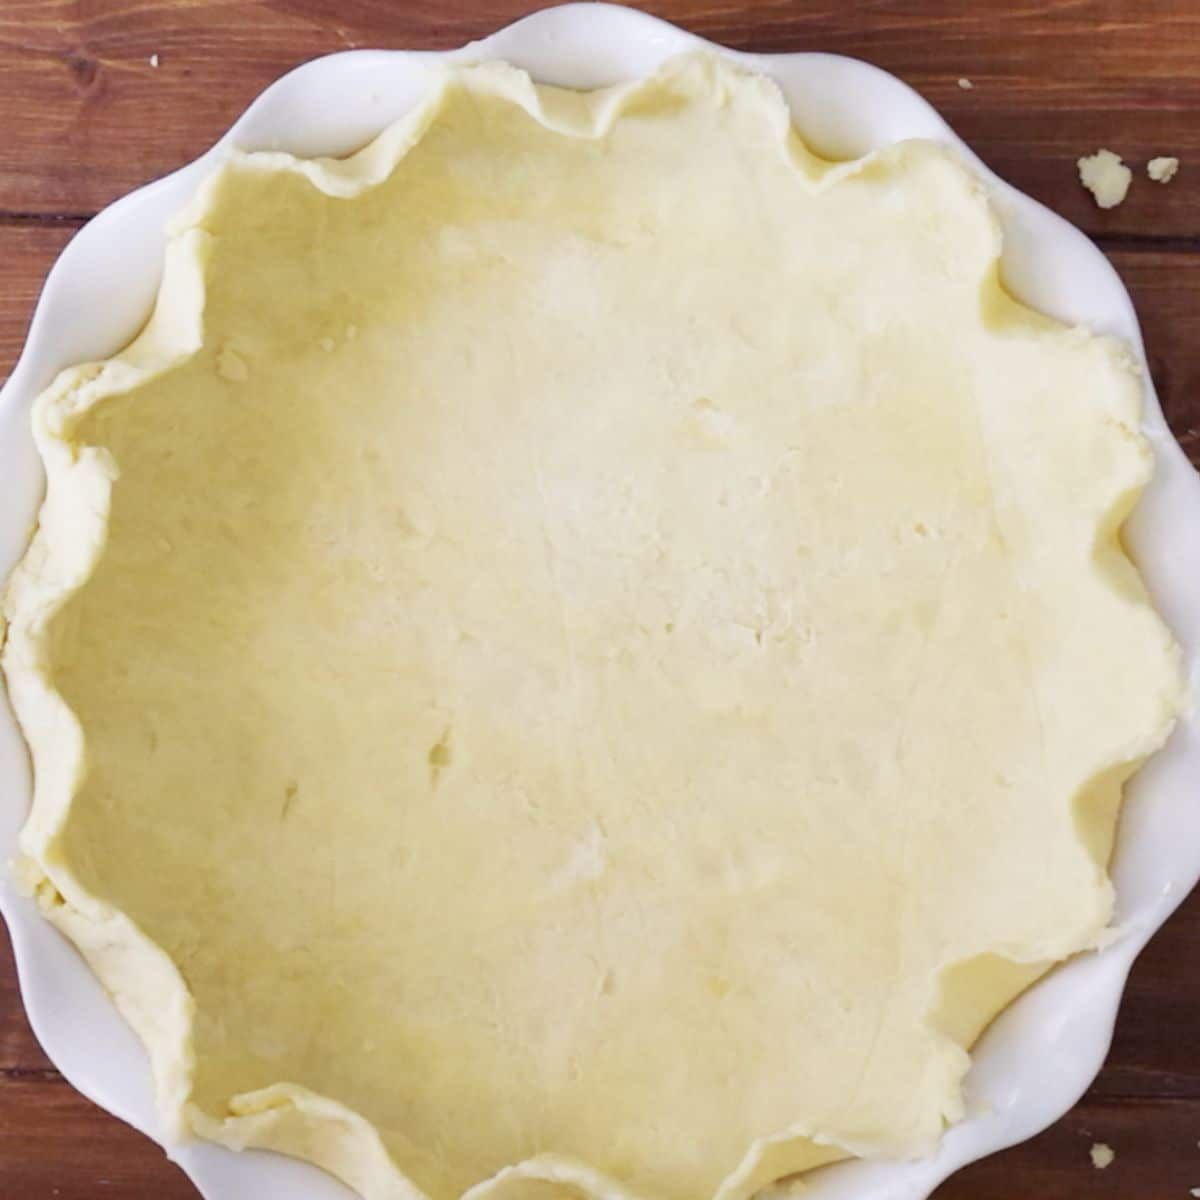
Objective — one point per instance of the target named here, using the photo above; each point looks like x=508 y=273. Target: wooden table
x=99 y=96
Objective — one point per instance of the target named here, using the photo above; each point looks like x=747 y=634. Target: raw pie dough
x=585 y=650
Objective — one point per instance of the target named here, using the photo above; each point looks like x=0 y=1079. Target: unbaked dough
x=1106 y=177
x=585 y=651
x=1163 y=169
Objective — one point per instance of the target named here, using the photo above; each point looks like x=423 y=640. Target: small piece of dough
x=1106 y=177
x=1103 y=1155
x=1162 y=169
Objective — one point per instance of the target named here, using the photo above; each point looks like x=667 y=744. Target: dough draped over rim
x=585 y=651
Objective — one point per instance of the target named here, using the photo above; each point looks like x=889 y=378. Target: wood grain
x=84 y=117
x=87 y=117
x=27 y=252
x=55 y=1145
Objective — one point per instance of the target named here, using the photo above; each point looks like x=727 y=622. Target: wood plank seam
x=37 y=218
x=31 y=1075
x=1153 y=243
x=1149 y=242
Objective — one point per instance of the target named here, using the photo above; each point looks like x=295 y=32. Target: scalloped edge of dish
x=1048 y=264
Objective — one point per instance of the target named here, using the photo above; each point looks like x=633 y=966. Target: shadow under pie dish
x=584 y=643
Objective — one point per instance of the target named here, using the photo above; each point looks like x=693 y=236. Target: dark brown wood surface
x=84 y=117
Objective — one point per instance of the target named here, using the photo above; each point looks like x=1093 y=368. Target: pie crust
x=585 y=651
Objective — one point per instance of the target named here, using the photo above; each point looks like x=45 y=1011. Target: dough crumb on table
x=965 y=84
x=1106 y=177
x=1103 y=1155
x=1163 y=169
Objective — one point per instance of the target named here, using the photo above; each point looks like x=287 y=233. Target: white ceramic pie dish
x=1046 y=1049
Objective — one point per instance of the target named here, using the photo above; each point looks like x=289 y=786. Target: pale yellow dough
x=585 y=651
